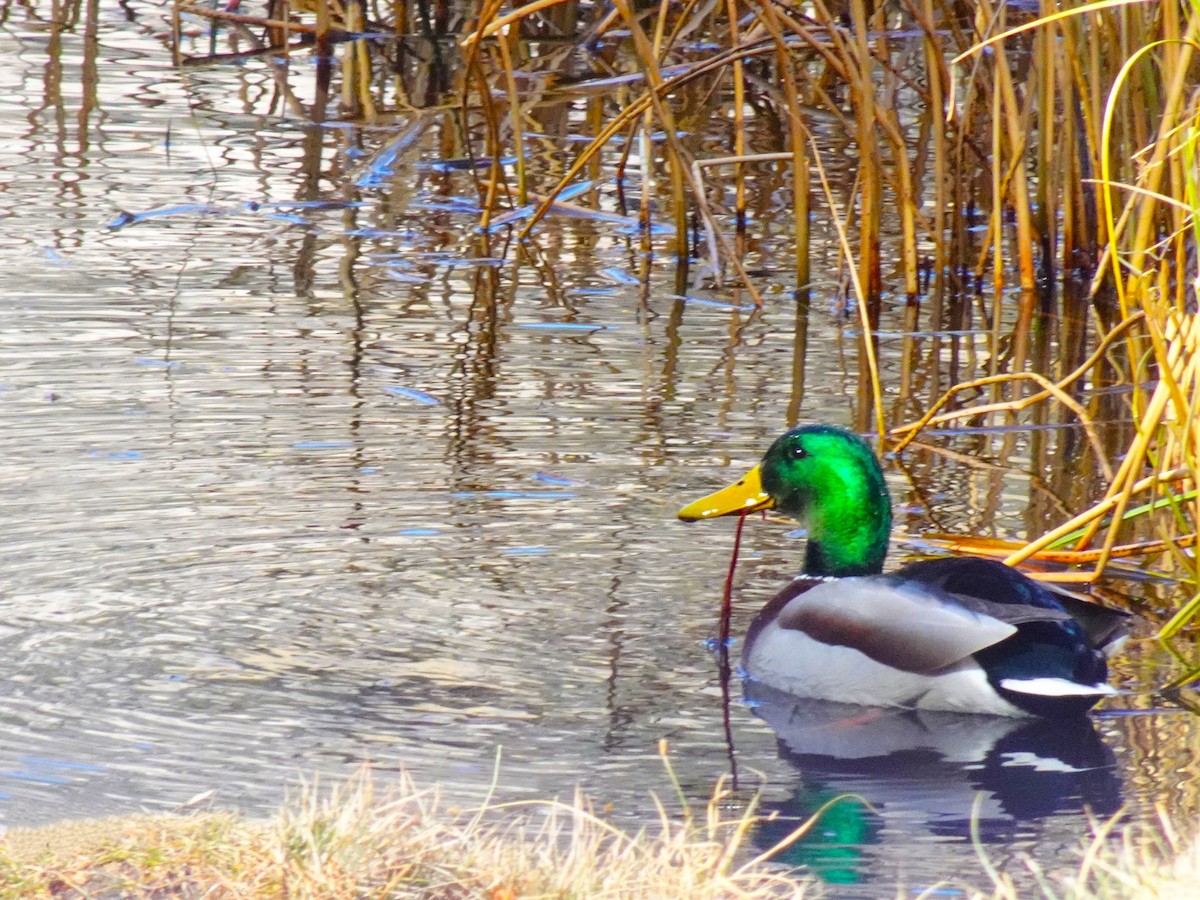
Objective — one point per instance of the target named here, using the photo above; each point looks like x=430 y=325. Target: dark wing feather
x=991 y=581
x=1008 y=612
x=1106 y=629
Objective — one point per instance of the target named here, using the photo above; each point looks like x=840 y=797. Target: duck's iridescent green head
x=827 y=478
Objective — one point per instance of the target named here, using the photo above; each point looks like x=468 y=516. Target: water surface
x=298 y=478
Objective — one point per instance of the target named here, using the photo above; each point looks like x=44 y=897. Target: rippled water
x=297 y=480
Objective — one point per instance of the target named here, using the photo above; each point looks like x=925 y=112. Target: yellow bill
x=747 y=495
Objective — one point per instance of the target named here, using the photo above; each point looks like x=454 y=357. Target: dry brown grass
x=1138 y=862
x=349 y=842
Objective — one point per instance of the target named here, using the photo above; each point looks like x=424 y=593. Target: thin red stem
x=727 y=597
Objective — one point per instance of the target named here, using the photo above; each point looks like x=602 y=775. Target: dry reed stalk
x=1181 y=366
x=871 y=368
x=698 y=167
x=677 y=160
x=862 y=88
x=514 y=109
x=324 y=24
x=1069 y=557
x=176 y=35
x=489 y=25
x=739 y=118
x=1047 y=182
x=930 y=418
x=356 y=64
x=938 y=76
x=1094 y=514
x=869 y=284
x=204 y=12
x=798 y=136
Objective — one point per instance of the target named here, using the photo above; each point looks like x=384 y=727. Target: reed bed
x=1029 y=171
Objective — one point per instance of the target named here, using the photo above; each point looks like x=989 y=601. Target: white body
x=791 y=661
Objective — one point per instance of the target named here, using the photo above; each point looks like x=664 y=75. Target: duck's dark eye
x=798 y=452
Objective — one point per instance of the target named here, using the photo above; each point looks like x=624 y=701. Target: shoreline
x=351 y=841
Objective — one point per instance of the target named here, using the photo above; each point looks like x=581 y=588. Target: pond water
x=298 y=478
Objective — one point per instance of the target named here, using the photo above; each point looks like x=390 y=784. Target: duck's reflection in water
x=925 y=772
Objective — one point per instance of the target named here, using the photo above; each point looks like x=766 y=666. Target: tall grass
x=356 y=842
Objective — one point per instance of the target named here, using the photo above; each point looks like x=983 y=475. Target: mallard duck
x=962 y=634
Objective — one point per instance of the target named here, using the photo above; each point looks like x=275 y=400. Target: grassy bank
x=351 y=842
